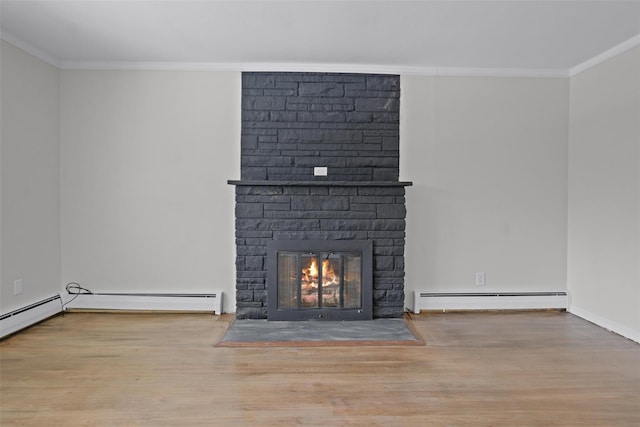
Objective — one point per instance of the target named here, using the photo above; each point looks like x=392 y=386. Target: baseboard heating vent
x=29 y=315
x=490 y=301
x=211 y=302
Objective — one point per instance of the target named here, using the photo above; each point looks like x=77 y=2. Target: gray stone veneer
x=348 y=123
x=292 y=122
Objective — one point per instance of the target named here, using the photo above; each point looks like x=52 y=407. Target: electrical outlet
x=17 y=287
x=480 y=278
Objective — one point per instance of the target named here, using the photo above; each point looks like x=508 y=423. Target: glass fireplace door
x=319 y=284
x=315 y=280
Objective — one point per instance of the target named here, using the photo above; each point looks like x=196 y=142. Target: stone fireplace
x=319 y=208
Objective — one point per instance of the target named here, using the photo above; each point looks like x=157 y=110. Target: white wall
x=604 y=194
x=488 y=158
x=145 y=157
x=30 y=236
x=141 y=184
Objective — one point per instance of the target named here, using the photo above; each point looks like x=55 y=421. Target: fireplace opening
x=319 y=279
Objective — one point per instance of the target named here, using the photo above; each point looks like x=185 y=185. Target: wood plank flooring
x=477 y=369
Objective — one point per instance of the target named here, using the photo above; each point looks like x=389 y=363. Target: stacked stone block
x=293 y=122
x=302 y=212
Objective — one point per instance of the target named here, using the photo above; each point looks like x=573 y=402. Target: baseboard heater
x=211 y=302
x=26 y=316
x=489 y=301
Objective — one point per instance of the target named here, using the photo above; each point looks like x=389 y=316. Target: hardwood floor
x=477 y=369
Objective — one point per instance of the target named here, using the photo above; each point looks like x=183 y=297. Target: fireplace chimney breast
x=293 y=124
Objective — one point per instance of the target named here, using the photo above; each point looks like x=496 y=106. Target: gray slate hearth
x=378 y=330
x=293 y=122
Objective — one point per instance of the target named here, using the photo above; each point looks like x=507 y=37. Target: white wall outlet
x=320 y=171
x=17 y=287
x=480 y=278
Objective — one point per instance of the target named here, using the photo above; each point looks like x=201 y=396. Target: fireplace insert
x=320 y=280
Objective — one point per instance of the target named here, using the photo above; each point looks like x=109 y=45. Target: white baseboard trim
x=24 y=317
x=605 y=323
x=489 y=301
x=211 y=302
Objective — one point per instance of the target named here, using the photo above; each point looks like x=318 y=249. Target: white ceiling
x=393 y=35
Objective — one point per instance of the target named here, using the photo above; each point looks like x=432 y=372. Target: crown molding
x=606 y=55
x=311 y=67
x=499 y=72
x=318 y=67
x=20 y=44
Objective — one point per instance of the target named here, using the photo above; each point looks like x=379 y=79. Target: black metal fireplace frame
x=365 y=312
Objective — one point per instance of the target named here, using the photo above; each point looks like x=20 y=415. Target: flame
x=310 y=274
x=313 y=269
x=330 y=284
x=328 y=274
